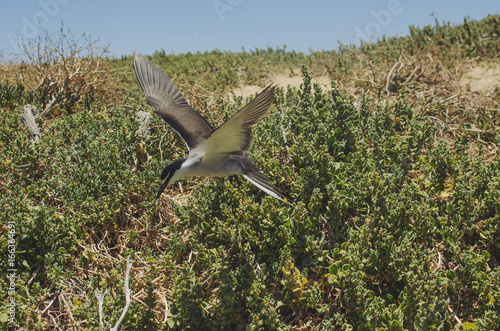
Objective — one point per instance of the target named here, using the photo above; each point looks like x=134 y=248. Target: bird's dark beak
x=162 y=188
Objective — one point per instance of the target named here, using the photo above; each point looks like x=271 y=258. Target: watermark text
x=11 y=271
x=224 y=6
x=39 y=20
x=382 y=19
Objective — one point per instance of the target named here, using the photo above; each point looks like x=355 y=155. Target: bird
x=219 y=152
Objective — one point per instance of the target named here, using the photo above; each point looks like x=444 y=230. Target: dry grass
x=64 y=71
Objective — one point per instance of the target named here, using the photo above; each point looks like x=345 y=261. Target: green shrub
x=392 y=229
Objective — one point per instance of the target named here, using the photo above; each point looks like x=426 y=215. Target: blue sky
x=188 y=26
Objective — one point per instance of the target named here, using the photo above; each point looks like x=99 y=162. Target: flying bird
x=220 y=152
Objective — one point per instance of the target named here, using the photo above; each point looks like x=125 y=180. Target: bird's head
x=169 y=175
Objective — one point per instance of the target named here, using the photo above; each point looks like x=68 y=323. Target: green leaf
x=170 y=322
x=25 y=263
x=470 y=326
x=333 y=269
x=4 y=317
x=395 y=326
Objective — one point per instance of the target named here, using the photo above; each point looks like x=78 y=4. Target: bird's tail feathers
x=255 y=176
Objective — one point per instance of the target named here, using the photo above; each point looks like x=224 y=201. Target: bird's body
x=219 y=152
x=197 y=166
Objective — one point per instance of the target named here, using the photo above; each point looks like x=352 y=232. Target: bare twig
x=396 y=67
x=371 y=76
x=412 y=73
x=389 y=77
x=67 y=308
x=55 y=322
x=48 y=306
x=54 y=99
x=439 y=263
x=62 y=65
x=454 y=315
x=426 y=67
x=166 y=309
x=100 y=299
x=127 y=296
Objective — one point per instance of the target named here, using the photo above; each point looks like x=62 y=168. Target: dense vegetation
x=395 y=172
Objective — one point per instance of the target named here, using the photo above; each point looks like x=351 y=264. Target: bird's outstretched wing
x=167 y=101
x=234 y=136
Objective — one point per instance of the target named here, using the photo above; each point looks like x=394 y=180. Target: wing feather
x=234 y=136
x=167 y=101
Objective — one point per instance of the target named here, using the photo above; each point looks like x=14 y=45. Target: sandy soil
x=482 y=77
x=283 y=80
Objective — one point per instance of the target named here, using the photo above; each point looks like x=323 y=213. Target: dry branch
x=28 y=115
x=143 y=119
x=64 y=69
x=128 y=293
x=101 y=295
